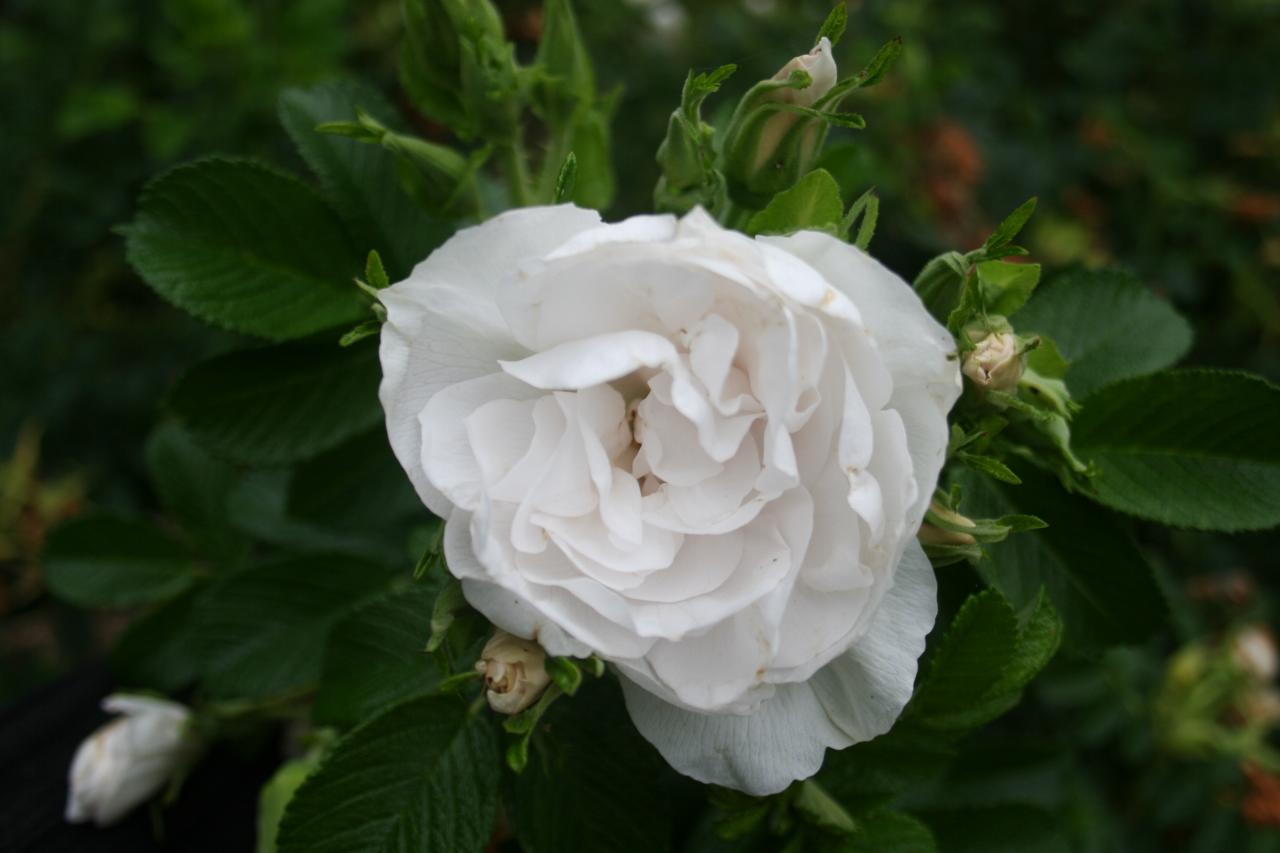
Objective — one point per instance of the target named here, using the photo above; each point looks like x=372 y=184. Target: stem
x=516 y=166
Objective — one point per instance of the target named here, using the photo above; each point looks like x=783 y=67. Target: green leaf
x=282 y=403
x=155 y=652
x=1099 y=583
x=1189 y=448
x=362 y=179
x=420 y=778
x=1037 y=641
x=978 y=646
x=357 y=486
x=997 y=829
x=833 y=27
x=814 y=202
x=593 y=785
x=1005 y=287
x=1009 y=228
x=108 y=561
x=375 y=658
x=276 y=794
x=448 y=603
x=990 y=466
x=906 y=757
x=245 y=247
x=262 y=632
x=565 y=180
x=1107 y=325
x=882 y=831
x=194 y=486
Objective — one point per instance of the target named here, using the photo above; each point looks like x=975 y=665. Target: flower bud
x=1254 y=651
x=932 y=534
x=514 y=671
x=996 y=362
x=129 y=760
x=768 y=145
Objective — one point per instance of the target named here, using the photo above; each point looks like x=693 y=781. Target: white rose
x=127 y=761
x=700 y=456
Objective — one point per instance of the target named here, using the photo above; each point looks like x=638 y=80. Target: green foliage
x=1108 y=327
x=245 y=247
x=376 y=658
x=833 y=27
x=106 y=561
x=281 y=403
x=1005 y=287
x=813 y=203
x=261 y=632
x=421 y=777
x=156 y=651
x=884 y=830
x=276 y=794
x=984 y=662
x=1189 y=448
x=194 y=487
x=362 y=181
x=592 y=784
x=1099 y=583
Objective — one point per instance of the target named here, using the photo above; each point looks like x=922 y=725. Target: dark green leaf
x=420 y=778
x=194 y=486
x=262 y=631
x=593 y=785
x=814 y=202
x=979 y=645
x=998 y=829
x=105 y=561
x=247 y=248
x=1189 y=448
x=362 y=179
x=282 y=403
x=155 y=652
x=376 y=658
x=1099 y=583
x=1107 y=325
x=357 y=486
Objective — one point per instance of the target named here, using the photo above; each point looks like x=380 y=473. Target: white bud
x=514 y=671
x=995 y=362
x=821 y=68
x=129 y=760
x=1254 y=651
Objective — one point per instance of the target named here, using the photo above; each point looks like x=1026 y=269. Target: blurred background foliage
x=1150 y=130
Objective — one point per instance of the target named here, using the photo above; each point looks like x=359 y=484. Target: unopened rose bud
x=767 y=146
x=932 y=534
x=1254 y=651
x=129 y=760
x=996 y=362
x=514 y=671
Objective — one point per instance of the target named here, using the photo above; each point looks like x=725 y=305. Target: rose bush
x=701 y=456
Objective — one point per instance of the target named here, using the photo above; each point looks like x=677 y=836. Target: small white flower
x=995 y=362
x=1254 y=651
x=127 y=761
x=700 y=456
x=515 y=672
